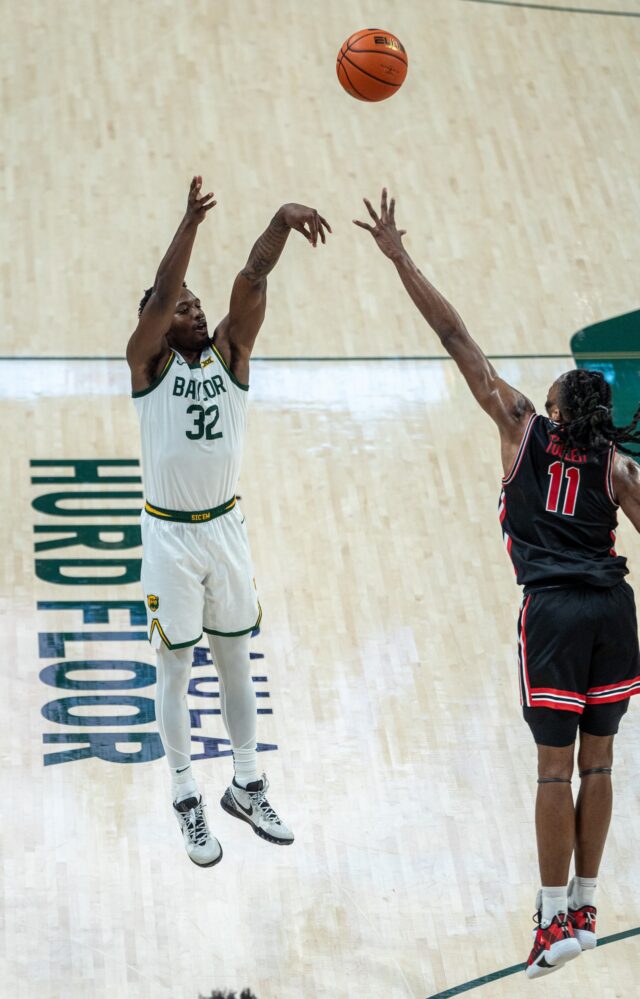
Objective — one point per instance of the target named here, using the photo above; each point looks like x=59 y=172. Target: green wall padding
x=613 y=347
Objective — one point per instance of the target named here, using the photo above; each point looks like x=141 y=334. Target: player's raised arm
x=626 y=485
x=147 y=343
x=508 y=407
x=236 y=334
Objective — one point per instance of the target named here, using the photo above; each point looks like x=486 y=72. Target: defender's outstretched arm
x=505 y=405
x=147 y=342
x=236 y=334
x=626 y=485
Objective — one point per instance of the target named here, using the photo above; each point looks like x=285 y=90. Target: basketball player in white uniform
x=190 y=391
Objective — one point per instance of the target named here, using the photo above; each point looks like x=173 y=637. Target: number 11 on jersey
x=572 y=475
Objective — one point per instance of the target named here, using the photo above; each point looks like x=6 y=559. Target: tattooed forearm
x=266 y=251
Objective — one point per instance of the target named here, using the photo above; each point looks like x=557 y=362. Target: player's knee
x=595 y=753
x=174 y=669
x=555 y=764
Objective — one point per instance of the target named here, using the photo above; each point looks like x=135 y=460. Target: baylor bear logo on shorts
x=152 y=601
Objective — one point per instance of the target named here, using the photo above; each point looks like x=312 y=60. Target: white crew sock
x=183 y=784
x=554 y=900
x=244 y=767
x=237 y=702
x=583 y=892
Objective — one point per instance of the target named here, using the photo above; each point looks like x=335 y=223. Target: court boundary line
x=494 y=976
x=332 y=358
x=557 y=9
x=608 y=355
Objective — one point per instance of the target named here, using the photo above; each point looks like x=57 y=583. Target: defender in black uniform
x=564 y=480
x=578 y=636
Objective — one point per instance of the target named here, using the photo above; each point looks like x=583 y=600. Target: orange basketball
x=372 y=64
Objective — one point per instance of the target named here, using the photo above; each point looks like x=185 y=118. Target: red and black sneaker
x=553 y=946
x=583 y=921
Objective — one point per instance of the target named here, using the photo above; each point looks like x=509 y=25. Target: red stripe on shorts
x=523 y=651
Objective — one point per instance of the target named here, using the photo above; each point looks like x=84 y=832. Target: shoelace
x=259 y=800
x=563 y=921
x=196 y=825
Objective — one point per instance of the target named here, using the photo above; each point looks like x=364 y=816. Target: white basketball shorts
x=197 y=577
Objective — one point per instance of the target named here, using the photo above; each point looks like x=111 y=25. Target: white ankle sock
x=583 y=892
x=554 y=900
x=183 y=784
x=245 y=766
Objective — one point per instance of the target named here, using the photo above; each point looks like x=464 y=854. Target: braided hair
x=584 y=400
x=147 y=295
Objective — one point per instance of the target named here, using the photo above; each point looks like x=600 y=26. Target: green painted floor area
x=613 y=347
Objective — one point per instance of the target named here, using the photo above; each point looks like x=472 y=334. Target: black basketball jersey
x=558 y=513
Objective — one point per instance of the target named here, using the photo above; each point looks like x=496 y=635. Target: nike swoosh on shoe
x=247 y=811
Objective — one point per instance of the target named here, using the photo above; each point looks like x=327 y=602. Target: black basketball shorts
x=579 y=661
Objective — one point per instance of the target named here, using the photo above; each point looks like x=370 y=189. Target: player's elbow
x=160 y=294
x=452 y=337
x=258 y=282
x=132 y=351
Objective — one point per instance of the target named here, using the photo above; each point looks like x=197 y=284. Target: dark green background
x=613 y=347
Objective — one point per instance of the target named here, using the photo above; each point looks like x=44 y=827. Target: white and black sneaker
x=250 y=805
x=203 y=848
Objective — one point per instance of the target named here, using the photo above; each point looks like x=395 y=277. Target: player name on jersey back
x=192 y=424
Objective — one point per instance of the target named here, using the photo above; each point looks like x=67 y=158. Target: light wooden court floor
x=370 y=489
x=402 y=763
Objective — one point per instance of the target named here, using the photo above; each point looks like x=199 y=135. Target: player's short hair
x=147 y=295
x=584 y=399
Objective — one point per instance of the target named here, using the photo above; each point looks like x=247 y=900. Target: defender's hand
x=198 y=204
x=385 y=233
x=305 y=220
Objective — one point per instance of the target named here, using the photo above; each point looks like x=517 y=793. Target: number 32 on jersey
x=202 y=429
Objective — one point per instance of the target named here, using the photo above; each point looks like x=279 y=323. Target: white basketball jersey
x=192 y=422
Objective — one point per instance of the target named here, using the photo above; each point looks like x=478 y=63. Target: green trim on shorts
x=245 y=388
x=154 y=384
x=179 y=645
x=190 y=517
x=236 y=634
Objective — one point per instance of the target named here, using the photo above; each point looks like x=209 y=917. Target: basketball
x=372 y=64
